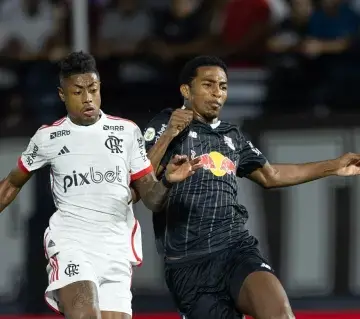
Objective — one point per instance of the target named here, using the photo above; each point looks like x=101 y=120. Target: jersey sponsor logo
x=217 y=163
x=149 y=134
x=142 y=148
x=160 y=132
x=114 y=144
x=80 y=179
x=59 y=134
x=30 y=157
x=117 y=128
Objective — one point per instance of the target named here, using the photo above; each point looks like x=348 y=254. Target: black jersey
x=202 y=212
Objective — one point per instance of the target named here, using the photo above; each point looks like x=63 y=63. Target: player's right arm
x=156 y=150
x=11 y=186
x=31 y=159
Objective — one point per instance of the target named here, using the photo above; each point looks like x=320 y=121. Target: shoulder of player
x=48 y=131
x=230 y=126
x=56 y=124
x=112 y=120
x=163 y=116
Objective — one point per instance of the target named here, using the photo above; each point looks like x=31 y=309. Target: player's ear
x=61 y=94
x=185 y=91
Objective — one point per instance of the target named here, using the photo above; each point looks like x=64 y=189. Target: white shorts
x=68 y=264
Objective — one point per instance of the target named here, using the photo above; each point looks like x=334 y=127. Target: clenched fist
x=179 y=120
x=348 y=164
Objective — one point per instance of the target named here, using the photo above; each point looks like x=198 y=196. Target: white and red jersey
x=91 y=170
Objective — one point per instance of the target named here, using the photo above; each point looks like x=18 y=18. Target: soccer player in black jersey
x=213 y=266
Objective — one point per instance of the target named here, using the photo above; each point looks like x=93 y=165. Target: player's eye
x=207 y=85
x=224 y=88
x=77 y=93
x=93 y=91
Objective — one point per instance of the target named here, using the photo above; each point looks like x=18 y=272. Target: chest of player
x=218 y=150
x=96 y=148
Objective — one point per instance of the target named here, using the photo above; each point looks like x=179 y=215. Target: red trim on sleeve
x=22 y=166
x=142 y=173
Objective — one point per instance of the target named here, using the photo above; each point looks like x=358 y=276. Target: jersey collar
x=81 y=127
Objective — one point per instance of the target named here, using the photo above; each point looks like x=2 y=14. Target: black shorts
x=207 y=287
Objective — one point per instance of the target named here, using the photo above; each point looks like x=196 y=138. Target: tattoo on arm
x=85 y=295
x=152 y=192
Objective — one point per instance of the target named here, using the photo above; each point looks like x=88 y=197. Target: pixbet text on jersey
x=79 y=179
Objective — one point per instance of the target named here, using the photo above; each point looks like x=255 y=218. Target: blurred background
x=294 y=89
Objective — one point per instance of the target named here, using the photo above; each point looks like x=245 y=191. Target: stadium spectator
x=180 y=31
x=125 y=25
x=27 y=26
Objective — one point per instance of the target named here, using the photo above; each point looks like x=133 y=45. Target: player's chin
x=212 y=114
x=89 y=119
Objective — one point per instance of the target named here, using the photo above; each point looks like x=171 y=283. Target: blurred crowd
x=309 y=47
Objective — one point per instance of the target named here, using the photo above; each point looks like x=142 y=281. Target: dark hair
x=189 y=72
x=77 y=63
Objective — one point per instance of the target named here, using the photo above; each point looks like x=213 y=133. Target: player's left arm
x=256 y=167
x=283 y=175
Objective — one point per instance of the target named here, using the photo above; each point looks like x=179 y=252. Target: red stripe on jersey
x=142 y=173
x=133 y=244
x=22 y=167
x=51 y=261
x=56 y=123
x=56 y=276
x=116 y=118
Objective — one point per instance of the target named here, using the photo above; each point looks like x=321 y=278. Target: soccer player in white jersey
x=94 y=159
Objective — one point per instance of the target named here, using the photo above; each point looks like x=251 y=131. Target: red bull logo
x=218 y=164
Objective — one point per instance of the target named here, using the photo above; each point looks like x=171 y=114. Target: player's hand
x=179 y=120
x=348 y=164
x=180 y=168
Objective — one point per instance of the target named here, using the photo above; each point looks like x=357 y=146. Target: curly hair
x=189 y=71
x=77 y=63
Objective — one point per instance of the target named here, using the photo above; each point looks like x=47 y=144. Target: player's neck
x=79 y=123
x=200 y=118
x=187 y=105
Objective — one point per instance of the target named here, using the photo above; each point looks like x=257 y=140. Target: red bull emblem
x=228 y=166
x=218 y=164
x=207 y=161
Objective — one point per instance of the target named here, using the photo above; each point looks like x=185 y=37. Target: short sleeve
x=155 y=128
x=34 y=157
x=250 y=158
x=139 y=163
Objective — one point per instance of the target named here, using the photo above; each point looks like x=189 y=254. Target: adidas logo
x=64 y=150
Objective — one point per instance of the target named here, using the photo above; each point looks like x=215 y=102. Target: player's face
x=208 y=92
x=81 y=95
